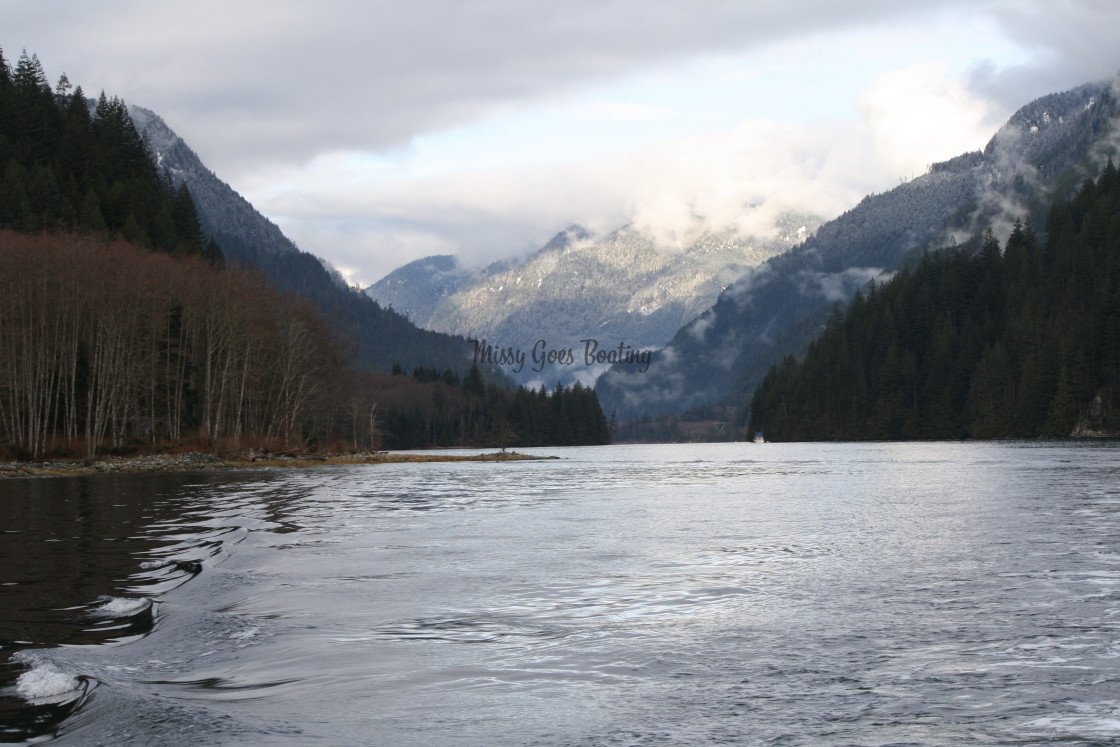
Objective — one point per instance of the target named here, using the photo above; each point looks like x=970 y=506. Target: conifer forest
x=1018 y=341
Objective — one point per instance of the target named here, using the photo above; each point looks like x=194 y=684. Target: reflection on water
x=772 y=594
x=71 y=554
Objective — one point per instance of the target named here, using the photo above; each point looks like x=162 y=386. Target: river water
x=777 y=594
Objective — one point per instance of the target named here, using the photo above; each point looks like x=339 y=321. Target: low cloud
x=741 y=179
x=840 y=286
x=920 y=113
x=698 y=328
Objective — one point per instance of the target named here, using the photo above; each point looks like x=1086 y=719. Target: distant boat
x=758 y=438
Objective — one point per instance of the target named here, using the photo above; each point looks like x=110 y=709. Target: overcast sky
x=382 y=131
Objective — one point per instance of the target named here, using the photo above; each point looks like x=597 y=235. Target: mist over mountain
x=624 y=289
x=774 y=309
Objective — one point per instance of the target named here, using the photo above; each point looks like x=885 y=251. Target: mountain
x=777 y=307
x=123 y=326
x=224 y=213
x=416 y=289
x=381 y=336
x=622 y=291
x=984 y=342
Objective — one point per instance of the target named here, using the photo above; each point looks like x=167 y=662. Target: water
x=800 y=594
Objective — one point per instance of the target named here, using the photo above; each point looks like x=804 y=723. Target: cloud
x=919 y=112
x=625 y=112
x=839 y=286
x=740 y=179
x=1070 y=42
x=326 y=115
x=744 y=178
x=699 y=326
x=260 y=81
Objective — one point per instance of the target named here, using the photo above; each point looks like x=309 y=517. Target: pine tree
x=1023 y=342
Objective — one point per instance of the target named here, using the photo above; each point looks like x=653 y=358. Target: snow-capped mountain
x=620 y=290
x=416 y=289
x=773 y=310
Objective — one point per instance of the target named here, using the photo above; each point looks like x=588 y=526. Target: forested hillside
x=121 y=328
x=63 y=169
x=973 y=342
x=379 y=336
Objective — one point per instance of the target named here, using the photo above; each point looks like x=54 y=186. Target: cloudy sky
x=382 y=131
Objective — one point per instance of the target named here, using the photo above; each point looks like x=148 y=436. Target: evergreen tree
x=60 y=168
x=474 y=383
x=1019 y=343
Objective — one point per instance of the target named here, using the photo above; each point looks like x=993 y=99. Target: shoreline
x=197 y=461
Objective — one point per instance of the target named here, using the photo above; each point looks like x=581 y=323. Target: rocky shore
x=198 y=461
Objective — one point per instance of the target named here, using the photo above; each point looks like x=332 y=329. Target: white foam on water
x=45 y=684
x=245 y=634
x=121 y=607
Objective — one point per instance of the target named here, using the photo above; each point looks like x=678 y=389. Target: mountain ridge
x=620 y=289
x=381 y=337
x=776 y=308
x=238 y=218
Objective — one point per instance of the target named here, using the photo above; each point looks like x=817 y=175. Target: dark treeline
x=65 y=169
x=122 y=329
x=430 y=408
x=971 y=343
x=106 y=346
